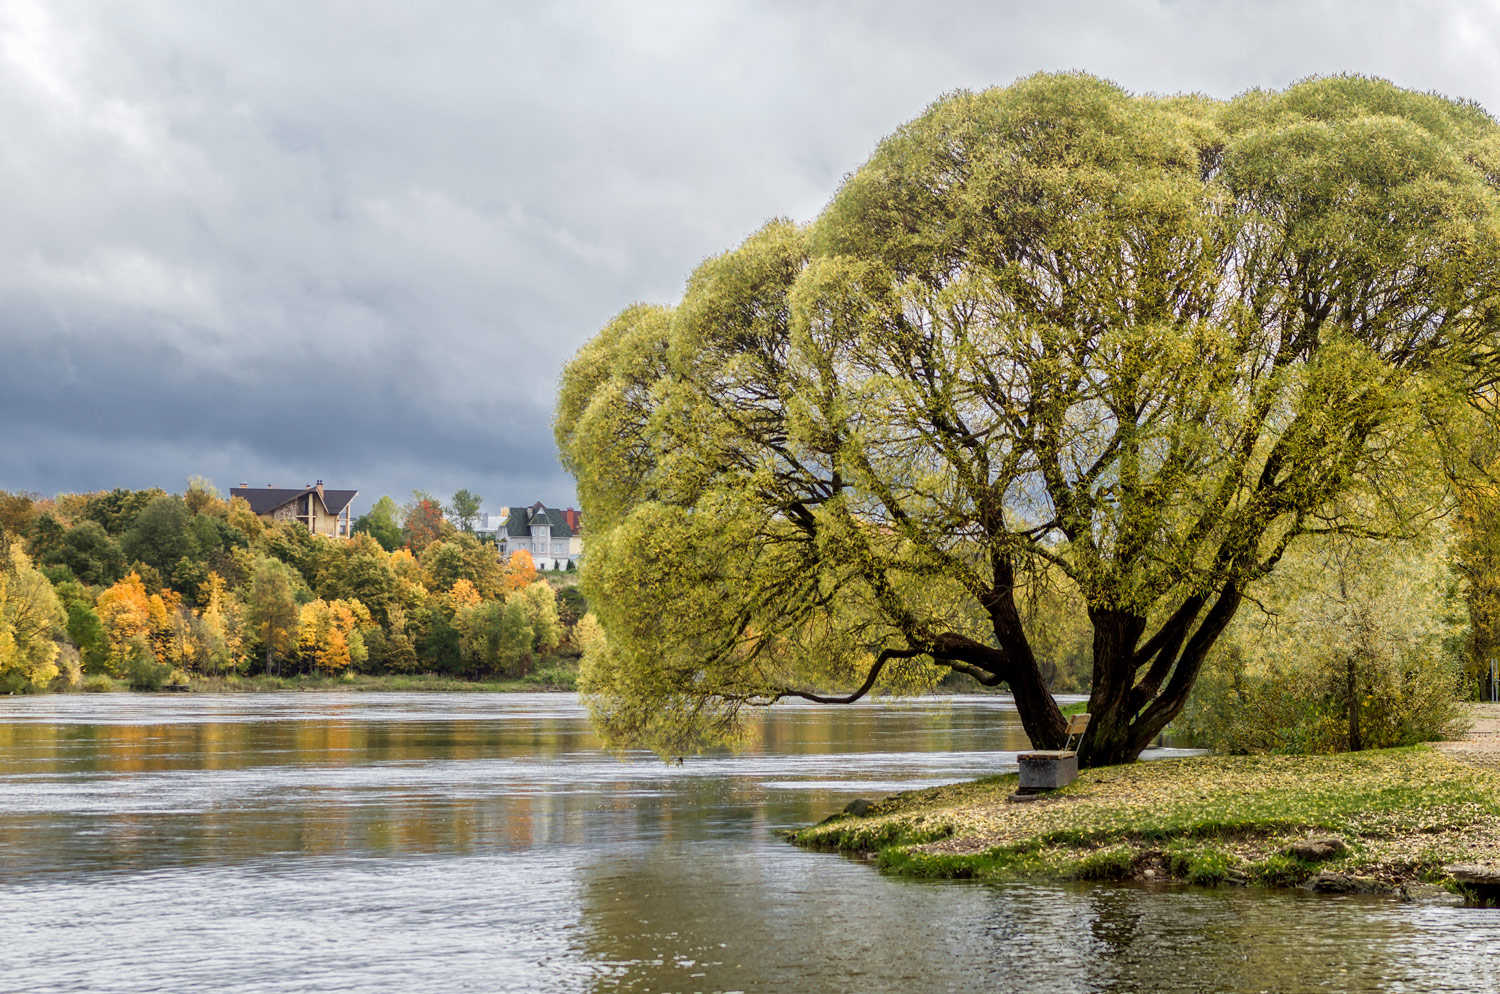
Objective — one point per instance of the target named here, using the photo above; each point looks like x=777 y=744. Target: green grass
x=1403 y=813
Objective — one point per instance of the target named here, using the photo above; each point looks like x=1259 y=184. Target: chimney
x=244 y=484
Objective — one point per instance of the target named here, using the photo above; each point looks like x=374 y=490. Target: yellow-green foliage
x=31 y=623
x=1381 y=620
x=1147 y=343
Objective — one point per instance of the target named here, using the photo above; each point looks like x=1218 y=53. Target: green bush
x=1304 y=707
x=1354 y=646
x=143 y=672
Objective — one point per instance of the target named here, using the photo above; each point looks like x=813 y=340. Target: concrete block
x=1047 y=769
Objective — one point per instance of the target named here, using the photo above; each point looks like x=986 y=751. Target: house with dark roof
x=320 y=511
x=553 y=537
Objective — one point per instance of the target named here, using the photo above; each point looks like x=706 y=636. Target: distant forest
x=152 y=588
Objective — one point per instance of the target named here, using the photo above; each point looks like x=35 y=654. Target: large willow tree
x=1048 y=333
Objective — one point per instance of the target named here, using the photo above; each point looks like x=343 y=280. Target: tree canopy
x=1051 y=332
x=464 y=508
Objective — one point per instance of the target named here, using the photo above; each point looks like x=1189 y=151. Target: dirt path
x=1481 y=745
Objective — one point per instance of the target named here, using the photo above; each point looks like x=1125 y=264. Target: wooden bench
x=1049 y=769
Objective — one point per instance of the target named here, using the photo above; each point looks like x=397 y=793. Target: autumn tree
x=541 y=613
x=223 y=625
x=464 y=594
x=423 y=523
x=18 y=511
x=31 y=622
x=327 y=634
x=240 y=517
x=1147 y=342
x=202 y=497
x=520 y=571
x=125 y=611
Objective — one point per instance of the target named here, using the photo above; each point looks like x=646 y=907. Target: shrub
x=97 y=683
x=143 y=672
x=1358 y=646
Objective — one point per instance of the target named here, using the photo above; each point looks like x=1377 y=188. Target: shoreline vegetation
x=557 y=673
x=1385 y=821
x=171 y=591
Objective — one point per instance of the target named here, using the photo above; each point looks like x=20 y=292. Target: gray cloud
x=283 y=241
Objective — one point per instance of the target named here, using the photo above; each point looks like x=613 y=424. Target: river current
x=484 y=842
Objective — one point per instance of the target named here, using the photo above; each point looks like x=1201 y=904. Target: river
x=484 y=842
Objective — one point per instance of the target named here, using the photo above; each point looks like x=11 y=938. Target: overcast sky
x=356 y=242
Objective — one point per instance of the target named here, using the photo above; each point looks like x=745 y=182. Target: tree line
x=152 y=588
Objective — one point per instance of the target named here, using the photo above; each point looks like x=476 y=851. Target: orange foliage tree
x=520 y=571
x=424 y=523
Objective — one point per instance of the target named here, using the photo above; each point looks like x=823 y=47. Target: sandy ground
x=1482 y=744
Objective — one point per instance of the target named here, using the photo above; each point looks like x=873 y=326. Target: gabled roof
x=518 y=521
x=264 y=500
x=337 y=500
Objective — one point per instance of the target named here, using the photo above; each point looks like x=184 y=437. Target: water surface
x=484 y=842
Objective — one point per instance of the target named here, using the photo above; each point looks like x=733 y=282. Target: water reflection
x=452 y=842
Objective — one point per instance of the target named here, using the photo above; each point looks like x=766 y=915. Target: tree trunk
x=1351 y=675
x=1128 y=714
x=1040 y=716
x=1108 y=739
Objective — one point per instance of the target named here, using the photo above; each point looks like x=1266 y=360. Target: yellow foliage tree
x=222 y=626
x=31 y=618
x=241 y=517
x=464 y=594
x=125 y=610
x=326 y=634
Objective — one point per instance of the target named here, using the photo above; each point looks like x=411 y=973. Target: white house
x=552 y=536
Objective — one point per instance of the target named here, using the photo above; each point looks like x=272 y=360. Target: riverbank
x=1383 y=821
x=552 y=673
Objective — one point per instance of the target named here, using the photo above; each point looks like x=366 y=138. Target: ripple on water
x=449 y=842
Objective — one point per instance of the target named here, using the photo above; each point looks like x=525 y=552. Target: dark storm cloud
x=278 y=242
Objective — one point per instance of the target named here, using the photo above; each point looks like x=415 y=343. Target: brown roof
x=264 y=500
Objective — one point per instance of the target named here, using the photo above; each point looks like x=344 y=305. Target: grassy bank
x=1393 y=819
x=550 y=673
